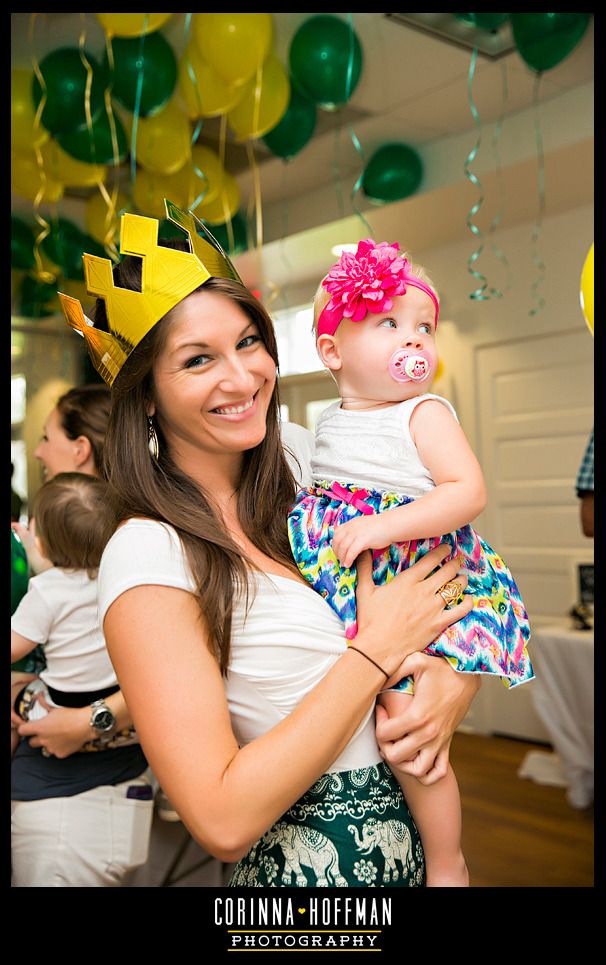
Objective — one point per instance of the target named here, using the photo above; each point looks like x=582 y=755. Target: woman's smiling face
x=213 y=379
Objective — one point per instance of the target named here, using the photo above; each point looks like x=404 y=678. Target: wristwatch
x=102 y=718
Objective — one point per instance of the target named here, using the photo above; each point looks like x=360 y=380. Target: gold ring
x=451 y=592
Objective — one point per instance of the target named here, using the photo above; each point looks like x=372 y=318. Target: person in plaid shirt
x=584 y=487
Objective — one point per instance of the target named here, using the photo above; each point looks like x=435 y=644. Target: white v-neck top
x=280 y=649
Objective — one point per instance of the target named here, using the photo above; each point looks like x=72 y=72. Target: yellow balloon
x=233 y=44
x=73 y=173
x=24 y=133
x=587 y=287
x=131 y=24
x=26 y=179
x=264 y=102
x=213 y=173
x=149 y=191
x=101 y=223
x=224 y=207
x=205 y=94
x=164 y=140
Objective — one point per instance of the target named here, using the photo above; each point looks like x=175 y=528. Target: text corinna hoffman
x=304 y=913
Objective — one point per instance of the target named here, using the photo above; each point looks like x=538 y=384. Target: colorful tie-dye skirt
x=491 y=639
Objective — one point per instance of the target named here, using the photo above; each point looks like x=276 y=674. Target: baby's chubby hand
x=364 y=533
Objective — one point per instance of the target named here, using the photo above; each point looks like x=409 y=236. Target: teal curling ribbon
x=199 y=172
x=354 y=139
x=499 y=253
x=478 y=294
x=133 y=139
x=536 y=231
x=358 y=183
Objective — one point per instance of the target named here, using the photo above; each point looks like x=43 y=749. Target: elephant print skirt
x=352 y=829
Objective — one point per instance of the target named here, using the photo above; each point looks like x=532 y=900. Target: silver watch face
x=103 y=719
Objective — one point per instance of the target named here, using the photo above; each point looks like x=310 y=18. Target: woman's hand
x=62 y=732
x=417 y=740
x=37 y=562
x=406 y=614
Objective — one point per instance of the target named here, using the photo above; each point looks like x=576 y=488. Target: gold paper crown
x=167 y=276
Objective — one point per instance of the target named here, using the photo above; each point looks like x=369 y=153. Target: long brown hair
x=140 y=486
x=74 y=520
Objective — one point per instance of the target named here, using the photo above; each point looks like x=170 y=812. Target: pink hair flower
x=364 y=282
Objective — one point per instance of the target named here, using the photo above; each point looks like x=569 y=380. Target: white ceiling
x=413 y=88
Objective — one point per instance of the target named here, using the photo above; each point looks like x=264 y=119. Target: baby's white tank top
x=372 y=448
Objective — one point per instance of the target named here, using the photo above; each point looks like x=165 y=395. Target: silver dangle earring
x=152 y=439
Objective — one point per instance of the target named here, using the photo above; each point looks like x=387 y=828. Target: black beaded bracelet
x=350 y=647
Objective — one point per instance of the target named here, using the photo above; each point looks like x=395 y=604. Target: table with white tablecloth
x=563 y=660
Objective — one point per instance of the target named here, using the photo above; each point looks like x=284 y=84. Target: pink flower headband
x=366 y=282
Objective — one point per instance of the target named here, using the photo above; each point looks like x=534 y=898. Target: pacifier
x=406 y=366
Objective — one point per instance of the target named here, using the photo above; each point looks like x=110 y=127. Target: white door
x=534 y=399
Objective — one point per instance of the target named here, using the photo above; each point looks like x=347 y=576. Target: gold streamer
x=88 y=88
x=40 y=272
x=111 y=200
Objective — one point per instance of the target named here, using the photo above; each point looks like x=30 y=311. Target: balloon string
x=536 y=257
x=251 y=158
x=190 y=70
x=336 y=170
x=225 y=206
x=133 y=140
x=198 y=171
x=499 y=253
x=40 y=272
x=354 y=138
x=284 y=233
x=87 y=89
x=257 y=194
x=358 y=183
x=478 y=294
x=111 y=201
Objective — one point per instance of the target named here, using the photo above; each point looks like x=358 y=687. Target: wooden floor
x=517 y=833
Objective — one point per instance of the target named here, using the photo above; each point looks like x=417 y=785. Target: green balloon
x=96 y=147
x=150 y=58
x=22 y=244
x=19 y=571
x=240 y=237
x=65 y=78
x=296 y=127
x=65 y=245
x=485 y=21
x=326 y=60
x=394 y=172
x=34 y=298
x=543 y=40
